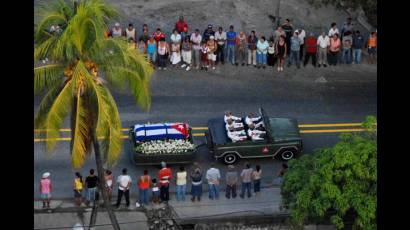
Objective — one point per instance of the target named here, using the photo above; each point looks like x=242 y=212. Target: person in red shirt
x=165 y=176
x=158 y=35
x=182 y=27
x=311 y=49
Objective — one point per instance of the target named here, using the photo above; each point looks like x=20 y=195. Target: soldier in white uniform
x=237 y=126
x=228 y=115
x=251 y=119
x=236 y=135
x=255 y=134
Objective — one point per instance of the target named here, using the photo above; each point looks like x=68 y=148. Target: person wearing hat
x=208 y=33
x=196 y=39
x=116 y=31
x=45 y=189
x=165 y=176
x=231 y=42
x=212 y=50
x=232 y=179
x=241 y=48
x=311 y=49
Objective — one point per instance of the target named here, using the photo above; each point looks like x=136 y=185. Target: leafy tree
x=337 y=184
x=369 y=6
x=83 y=63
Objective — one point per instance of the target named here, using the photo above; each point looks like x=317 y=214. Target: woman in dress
x=281 y=52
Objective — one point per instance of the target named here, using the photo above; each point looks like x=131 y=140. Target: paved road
x=348 y=95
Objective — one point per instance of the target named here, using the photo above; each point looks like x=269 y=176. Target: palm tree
x=83 y=63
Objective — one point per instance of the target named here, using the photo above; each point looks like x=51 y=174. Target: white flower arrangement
x=158 y=147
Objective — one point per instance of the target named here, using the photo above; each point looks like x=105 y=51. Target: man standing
x=124 y=183
x=91 y=182
x=311 y=49
x=130 y=32
x=212 y=50
x=302 y=35
x=220 y=37
x=347 y=47
x=182 y=27
x=287 y=27
x=333 y=30
x=231 y=182
x=116 y=31
x=196 y=39
x=213 y=176
x=347 y=26
x=358 y=42
x=323 y=45
x=294 y=50
x=241 y=48
x=252 y=41
x=208 y=33
x=164 y=175
x=246 y=176
x=231 y=40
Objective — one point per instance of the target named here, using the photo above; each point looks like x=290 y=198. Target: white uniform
x=234 y=125
x=237 y=135
x=255 y=134
x=231 y=117
x=254 y=120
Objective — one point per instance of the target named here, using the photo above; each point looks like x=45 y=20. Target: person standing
x=261 y=52
x=271 y=58
x=279 y=176
x=144 y=183
x=278 y=33
x=372 y=47
x=323 y=43
x=241 y=48
x=358 y=42
x=288 y=29
x=158 y=35
x=145 y=34
x=91 y=183
x=334 y=49
x=212 y=46
x=175 y=54
x=152 y=50
x=347 y=26
x=333 y=30
x=302 y=36
x=155 y=192
x=78 y=188
x=311 y=49
x=294 y=50
x=186 y=53
x=281 y=52
x=246 y=176
x=45 y=189
x=252 y=41
x=164 y=176
x=220 y=37
x=182 y=27
x=231 y=41
x=108 y=183
x=130 y=32
x=196 y=39
x=163 y=51
x=213 y=176
x=232 y=179
x=116 y=31
x=204 y=55
x=181 y=183
x=347 y=47
x=208 y=33
x=142 y=46
x=124 y=184
x=257 y=176
x=196 y=181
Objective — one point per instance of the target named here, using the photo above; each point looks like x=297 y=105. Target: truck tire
x=287 y=154
x=230 y=158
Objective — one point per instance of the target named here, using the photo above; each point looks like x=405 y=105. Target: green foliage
x=368 y=6
x=85 y=64
x=336 y=184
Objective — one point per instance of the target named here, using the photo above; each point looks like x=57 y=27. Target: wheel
x=287 y=154
x=230 y=158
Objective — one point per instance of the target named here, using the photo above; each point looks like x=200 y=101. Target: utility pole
x=277 y=13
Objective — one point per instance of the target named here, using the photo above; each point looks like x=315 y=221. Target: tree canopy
x=337 y=184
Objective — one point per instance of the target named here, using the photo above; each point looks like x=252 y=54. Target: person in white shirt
x=220 y=37
x=333 y=30
x=116 y=31
x=252 y=119
x=302 y=36
x=236 y=136
x=175 y=36
x=255 y=134
x=237 y=126
x=130 y=32
x=323 y=43
x=196 y=39
x=124 y=183
x=228 y=115
x=213 y=176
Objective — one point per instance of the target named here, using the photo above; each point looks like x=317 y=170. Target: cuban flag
x=160 y=131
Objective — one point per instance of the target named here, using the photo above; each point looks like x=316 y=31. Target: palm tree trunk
x=101 y=186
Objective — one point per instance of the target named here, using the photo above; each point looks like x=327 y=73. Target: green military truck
x=282 y=140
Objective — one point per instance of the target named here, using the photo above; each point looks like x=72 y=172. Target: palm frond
x=47 y=76
x=45 y=106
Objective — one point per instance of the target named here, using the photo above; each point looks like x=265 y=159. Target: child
x=142 y=46
x=204 y=56
x=175 y=54
x=45 y=189
x=155 y=191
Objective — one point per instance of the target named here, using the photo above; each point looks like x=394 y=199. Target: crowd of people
x=286 y=44
x=156 y=190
